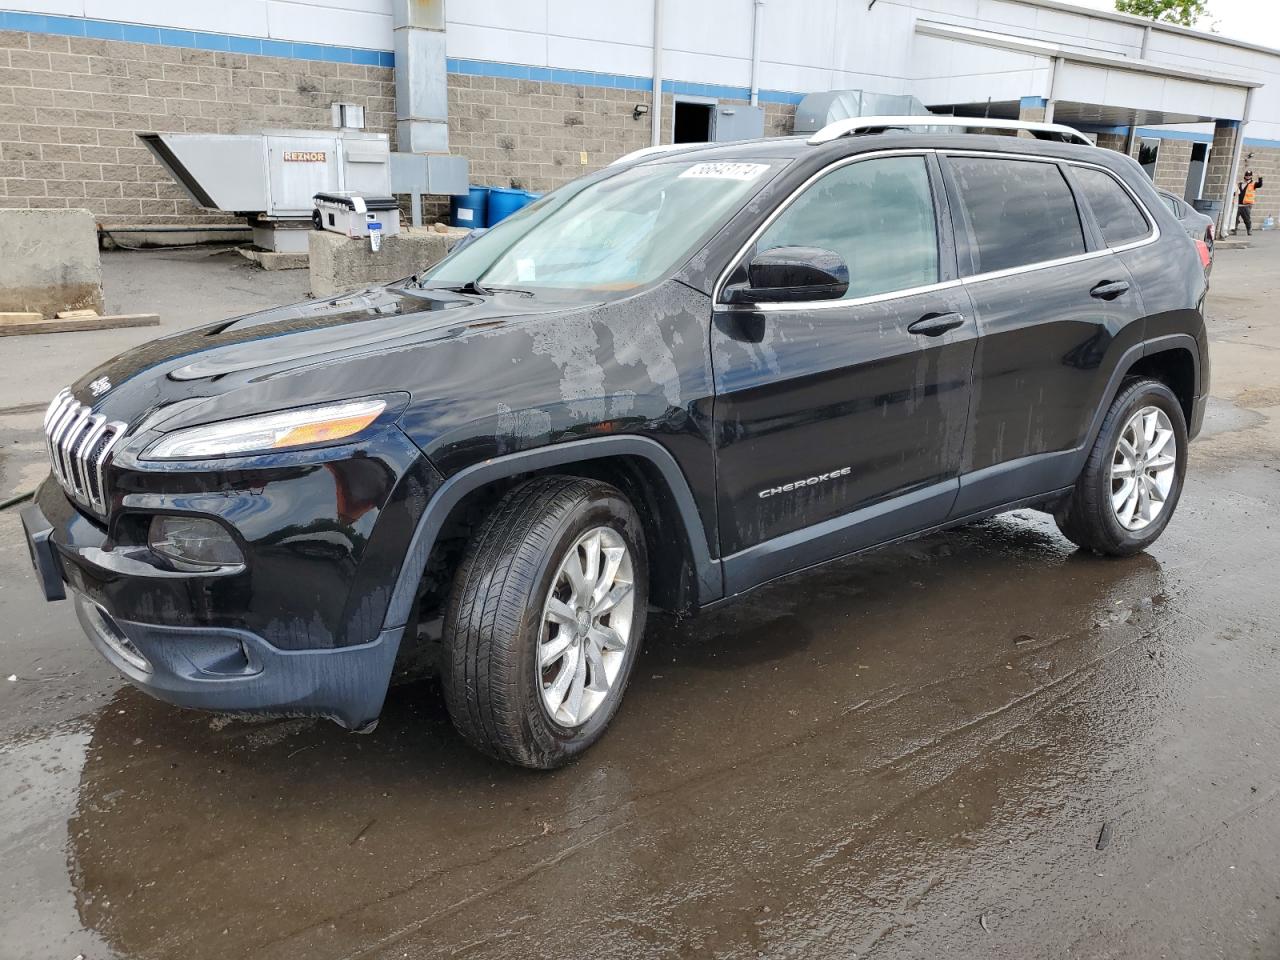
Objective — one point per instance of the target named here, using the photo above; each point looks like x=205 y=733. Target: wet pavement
x=981 y=744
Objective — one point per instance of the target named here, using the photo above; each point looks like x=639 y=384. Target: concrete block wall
x=1172 y=162
x=532 y=134
x=1218 y=169
x=1265 y=163
x=1112 y=141
x=70 y=106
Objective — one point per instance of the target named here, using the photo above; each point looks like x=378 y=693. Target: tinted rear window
x=1118 y=216
x=1019 y=212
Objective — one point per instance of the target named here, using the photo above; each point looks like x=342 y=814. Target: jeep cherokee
x=662 y=385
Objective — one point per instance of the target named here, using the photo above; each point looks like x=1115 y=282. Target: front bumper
x=300 y=629
x=237 y=672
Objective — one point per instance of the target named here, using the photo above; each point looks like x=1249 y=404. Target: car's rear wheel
x=1130 y=485
x=545 y=620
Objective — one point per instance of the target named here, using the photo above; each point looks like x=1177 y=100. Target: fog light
x=193 y=542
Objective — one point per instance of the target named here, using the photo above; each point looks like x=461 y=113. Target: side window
x=1118 y=216
x=1169 y=202
x=877 y=214
x=1020 y=212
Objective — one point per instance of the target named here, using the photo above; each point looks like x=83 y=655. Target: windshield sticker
x=726 y=171
x=526 y=271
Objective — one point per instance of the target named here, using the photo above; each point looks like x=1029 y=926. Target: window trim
x=963 y=224
x=1174 y=204
x=775 y=307
x=944 y=249
x=1083 y=198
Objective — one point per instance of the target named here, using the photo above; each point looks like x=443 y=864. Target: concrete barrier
x=339 y=263
x=49 y=261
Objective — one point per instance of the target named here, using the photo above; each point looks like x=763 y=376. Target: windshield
x=610 y=235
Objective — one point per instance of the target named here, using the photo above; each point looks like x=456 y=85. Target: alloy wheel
x=586 y=626
x=1143 y=468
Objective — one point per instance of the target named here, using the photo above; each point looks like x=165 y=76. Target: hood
x=289 y=356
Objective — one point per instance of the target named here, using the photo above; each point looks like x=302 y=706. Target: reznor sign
x=304 y=156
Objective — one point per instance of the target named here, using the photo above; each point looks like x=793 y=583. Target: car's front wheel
x=545 y=619
x=1130 y=485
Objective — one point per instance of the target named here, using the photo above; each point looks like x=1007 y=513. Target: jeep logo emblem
x=100 y=386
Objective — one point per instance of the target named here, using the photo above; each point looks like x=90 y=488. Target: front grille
x=79 y=442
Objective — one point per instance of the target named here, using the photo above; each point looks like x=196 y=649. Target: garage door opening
x=692 y=122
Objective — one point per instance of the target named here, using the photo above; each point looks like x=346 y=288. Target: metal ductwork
x=422 y=83
x=271 y=177
x=819 y=109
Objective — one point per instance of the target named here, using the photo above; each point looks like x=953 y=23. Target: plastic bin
x=471 y=209
x=503 y=203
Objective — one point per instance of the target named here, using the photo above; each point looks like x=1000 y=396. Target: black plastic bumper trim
x=44 y=556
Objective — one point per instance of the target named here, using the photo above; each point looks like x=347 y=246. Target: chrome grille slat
x=67 y=438
x=99 y=424
x=72 y=435
x=56 y=428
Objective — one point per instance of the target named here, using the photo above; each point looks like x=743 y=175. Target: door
x=836 y=426
x=692 y=119
x=734 y=121
x=1053 y=305
x=1195 y=172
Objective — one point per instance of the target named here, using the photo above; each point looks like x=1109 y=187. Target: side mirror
x=791 y=275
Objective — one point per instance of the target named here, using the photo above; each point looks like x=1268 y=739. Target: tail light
x=1203 y=249
x=1208 y=233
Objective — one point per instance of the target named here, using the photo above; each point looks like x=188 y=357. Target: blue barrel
x=503 y=203
x=471 y=209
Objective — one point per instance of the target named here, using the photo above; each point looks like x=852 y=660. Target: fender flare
x=1173 y=341
x=449 y=495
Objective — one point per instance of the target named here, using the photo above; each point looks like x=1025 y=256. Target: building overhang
x=1056 y=51
x=965 y=66
x=1145 y=23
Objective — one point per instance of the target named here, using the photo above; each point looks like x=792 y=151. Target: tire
x=1093 y=515
x=499 y=698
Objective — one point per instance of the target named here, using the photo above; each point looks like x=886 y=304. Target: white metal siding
x=807 y=44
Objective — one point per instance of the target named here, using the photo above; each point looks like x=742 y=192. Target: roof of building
x=1117 y=17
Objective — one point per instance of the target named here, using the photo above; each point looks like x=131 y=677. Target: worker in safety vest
x=1246 y=196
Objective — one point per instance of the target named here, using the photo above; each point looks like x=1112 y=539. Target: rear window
x=1019 y=212
x=1118 y=216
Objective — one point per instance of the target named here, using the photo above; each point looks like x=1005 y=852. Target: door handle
x=1110 y=289
x=936 y=324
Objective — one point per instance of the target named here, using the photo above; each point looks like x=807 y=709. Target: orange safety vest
x=1248 y=198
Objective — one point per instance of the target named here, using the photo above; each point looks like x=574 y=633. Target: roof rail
x=855 y=125
x=655 y=151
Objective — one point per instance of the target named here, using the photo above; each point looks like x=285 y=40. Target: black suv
x=662 y=385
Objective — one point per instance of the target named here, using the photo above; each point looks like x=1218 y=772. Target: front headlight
x=268 y=432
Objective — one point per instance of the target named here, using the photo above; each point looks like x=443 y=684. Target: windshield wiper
x=526 y=293
x=474 y=288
